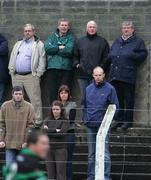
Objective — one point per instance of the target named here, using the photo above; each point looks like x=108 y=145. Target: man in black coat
x=127 y=52
x=90 y=51
x=4 y=74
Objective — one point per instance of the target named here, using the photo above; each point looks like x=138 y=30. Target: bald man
x=90 y=51
x=99 y=95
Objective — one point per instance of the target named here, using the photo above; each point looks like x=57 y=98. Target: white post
x=100 y=142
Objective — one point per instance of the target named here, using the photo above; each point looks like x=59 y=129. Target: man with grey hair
x=90 y=51
x=127 y=52
x=26 y=66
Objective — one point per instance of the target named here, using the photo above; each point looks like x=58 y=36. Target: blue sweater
x=97 y=100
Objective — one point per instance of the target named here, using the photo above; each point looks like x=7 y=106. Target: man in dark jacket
x=59 y=48
x=99 y=95
x=4 y=74
x=90 y=51
x=127 y=52
x=28 y=164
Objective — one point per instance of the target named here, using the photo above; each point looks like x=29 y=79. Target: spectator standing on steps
x=56 y=125
x=90 y=51
x=4 y=74
x=17 y=117
x=99 y=95
x=59 y=48
x=26 y=66
x=127 y=52
x=64 y=96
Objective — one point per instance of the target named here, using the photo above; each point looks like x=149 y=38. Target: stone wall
x=107 y=13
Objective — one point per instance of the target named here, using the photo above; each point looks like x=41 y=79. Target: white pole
x=100 y=142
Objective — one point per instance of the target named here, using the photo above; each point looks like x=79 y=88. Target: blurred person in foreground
x=28 y=164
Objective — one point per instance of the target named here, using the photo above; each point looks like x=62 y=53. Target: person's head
x=91 y=27
x=98 y=74
x=127 y=28
x=57 y=110
x=17 y=93
x=29 y=31
x=38 y=142
x=63 y=26
x=64 y=93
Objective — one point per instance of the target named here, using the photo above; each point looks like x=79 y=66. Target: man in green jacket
x=28 y=164
x=59 y=48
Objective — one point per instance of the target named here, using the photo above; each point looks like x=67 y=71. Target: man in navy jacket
x=127 y=52
x=4 y=74
x=99 y=95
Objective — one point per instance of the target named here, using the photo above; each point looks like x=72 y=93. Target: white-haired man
x=90 y=51
x=26 y=66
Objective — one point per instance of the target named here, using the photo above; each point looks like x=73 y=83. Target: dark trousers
x=70 y=150
x=126 y=96
x=56 y=78
x=56 y=163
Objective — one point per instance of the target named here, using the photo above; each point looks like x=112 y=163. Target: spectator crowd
x=105 y=76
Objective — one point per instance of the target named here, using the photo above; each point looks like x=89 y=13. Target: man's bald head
x=98 y=68
x=98 y=74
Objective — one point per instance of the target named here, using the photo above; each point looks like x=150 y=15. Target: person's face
x=98 y=75
x=28 y=32
x=42 y=146
x=91 y=29
x=56 y=110
x=127 y=30
x=64 y=95
x=63 y=27
x=17 y=96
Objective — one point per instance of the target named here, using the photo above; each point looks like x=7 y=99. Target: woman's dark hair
x=63 y=112
x=66 y=89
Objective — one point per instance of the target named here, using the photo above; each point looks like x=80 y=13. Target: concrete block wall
x=107 y=13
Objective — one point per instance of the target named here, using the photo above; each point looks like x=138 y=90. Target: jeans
x=10 y=155
x=70 y=150
x=91 y=139
x=126 y=95
x=83 y=83
x=2 y=93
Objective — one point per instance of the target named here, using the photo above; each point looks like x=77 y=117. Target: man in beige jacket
x=16 y=120
x=26 y=66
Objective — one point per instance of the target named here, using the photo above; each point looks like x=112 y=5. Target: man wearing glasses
x=27 y=65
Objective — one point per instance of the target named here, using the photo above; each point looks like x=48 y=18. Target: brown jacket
x=15 y=123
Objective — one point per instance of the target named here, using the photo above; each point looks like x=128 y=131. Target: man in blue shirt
x=26 y=66
x=99 y=95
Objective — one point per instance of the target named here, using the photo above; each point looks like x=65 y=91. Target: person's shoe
x=115 y=125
